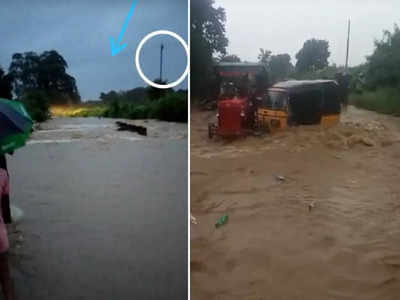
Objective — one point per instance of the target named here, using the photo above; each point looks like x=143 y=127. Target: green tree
x=37 y=104
x=264 y=57
x=45 y=72
x=358 y=82
x=154 y=93
x=110 y=96
x=137 y=94
x=280 y=67
x=232 y=58
x=313 y=56
x=262 y=82
x=5 y=85
x=384 y=64
x=24 y=70
x=207 y=39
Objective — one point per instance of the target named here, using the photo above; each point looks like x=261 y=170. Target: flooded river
x=105 y=212
x=314 y=213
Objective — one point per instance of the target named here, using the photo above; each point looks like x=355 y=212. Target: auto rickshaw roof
x=303 y=85
x=329 y=98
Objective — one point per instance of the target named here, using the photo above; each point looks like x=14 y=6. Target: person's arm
x=5 y=203
x=6 y=209
x=3 y=162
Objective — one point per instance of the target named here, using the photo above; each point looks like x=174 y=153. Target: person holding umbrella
x=15 y=128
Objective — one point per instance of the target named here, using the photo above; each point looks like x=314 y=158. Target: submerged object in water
x=134 y=128
x=16 y=213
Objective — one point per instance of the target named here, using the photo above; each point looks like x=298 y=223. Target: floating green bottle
x=222 y=220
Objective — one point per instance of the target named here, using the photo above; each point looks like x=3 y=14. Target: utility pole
x=161 y=60
x=347 y=51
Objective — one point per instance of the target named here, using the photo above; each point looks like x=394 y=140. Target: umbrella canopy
x=15 y=125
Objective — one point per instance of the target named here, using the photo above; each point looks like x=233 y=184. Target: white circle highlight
x=139 y=49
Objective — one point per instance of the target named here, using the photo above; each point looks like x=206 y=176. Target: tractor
x=241 y=86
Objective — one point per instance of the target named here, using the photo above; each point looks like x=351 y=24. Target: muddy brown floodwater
x=105 y=212
x=329 y=230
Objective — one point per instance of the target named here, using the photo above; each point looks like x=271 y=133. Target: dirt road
x=329 y=230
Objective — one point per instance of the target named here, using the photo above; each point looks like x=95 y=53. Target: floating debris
x=222 y=221
x=311 y=205
x=134 y=128
x=193 y=220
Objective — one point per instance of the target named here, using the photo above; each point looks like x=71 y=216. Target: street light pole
x=347 y=51
x=161 y=60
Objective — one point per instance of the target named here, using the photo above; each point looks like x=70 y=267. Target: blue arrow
x=116 y=48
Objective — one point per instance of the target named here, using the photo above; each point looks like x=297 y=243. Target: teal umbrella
x=15 y=125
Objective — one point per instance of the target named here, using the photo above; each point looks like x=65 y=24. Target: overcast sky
x=80 y=30
x=283 y=26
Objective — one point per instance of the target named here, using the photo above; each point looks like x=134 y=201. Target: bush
x=384 y=64
x=140 y=112
x=37 y=105
x=154 y=93
x=114 y=110
x=382 y=100
x=172 y=108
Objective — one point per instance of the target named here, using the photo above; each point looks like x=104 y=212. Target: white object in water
x=193 y=220
x=16 y=213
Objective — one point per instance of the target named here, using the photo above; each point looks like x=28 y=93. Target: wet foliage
x=173 y=108
x=37 y=104
x=376 y=84
x=44 y=72
x=208 y=39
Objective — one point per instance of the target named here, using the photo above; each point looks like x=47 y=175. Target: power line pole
x=347 y=51
x=161 y=60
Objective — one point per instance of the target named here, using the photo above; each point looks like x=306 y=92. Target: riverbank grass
x=78 y=110
x=382 y=100
x=172 y=108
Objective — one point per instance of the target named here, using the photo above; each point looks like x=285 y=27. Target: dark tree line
x=313 y=56
x=207 y=39
x=279 y=67
x=39 y=81
x=46 y=73
x=232 y=58
x=383 y=66
x=139 y=94
x=5 y=85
